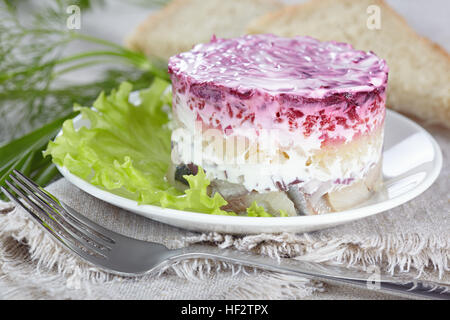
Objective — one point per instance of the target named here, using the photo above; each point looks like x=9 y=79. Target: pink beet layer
x=297 y=84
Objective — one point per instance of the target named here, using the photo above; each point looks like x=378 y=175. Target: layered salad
x=293 y=124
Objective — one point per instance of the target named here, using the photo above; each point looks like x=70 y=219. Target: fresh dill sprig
x=31 y=61
x=33 y=99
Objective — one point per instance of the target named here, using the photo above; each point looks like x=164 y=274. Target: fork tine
x=61 y=238
x=80 y=220
x=41 y=222
x=59 y=218
x=51 y=203
x=50 y=222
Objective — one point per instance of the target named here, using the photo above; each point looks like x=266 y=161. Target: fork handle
x=408 y=288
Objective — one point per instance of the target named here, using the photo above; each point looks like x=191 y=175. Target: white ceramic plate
x=412 y=161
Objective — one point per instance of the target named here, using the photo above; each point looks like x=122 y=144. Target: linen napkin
x=413 y=239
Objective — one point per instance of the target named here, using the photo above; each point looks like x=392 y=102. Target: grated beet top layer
x=297 y=84
x=301 y=65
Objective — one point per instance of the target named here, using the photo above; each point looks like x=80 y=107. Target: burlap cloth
x=413 y=238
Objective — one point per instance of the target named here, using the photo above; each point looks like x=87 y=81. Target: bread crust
x=137 y=39
x=255 y=25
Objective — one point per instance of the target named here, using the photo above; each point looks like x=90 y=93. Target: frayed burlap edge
x=34 y=266
x=410 y=252
x=27 y=254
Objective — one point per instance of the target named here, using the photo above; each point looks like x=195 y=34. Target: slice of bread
x=419 y=78
x=183 y=23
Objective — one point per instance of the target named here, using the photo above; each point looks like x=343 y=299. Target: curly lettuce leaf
x=126 y=150
x=256 y=210
x=196 y=197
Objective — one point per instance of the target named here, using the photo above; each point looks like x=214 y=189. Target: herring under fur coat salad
x=325 y=99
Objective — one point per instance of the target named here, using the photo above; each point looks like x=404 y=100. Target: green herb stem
x=46 y=175
x=134 y=60
x=96 y=40
x=32 y=58
x=81 y=66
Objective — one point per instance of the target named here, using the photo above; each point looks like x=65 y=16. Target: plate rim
x=153 y=211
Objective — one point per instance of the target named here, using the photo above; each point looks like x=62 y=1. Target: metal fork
x=126 y=256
